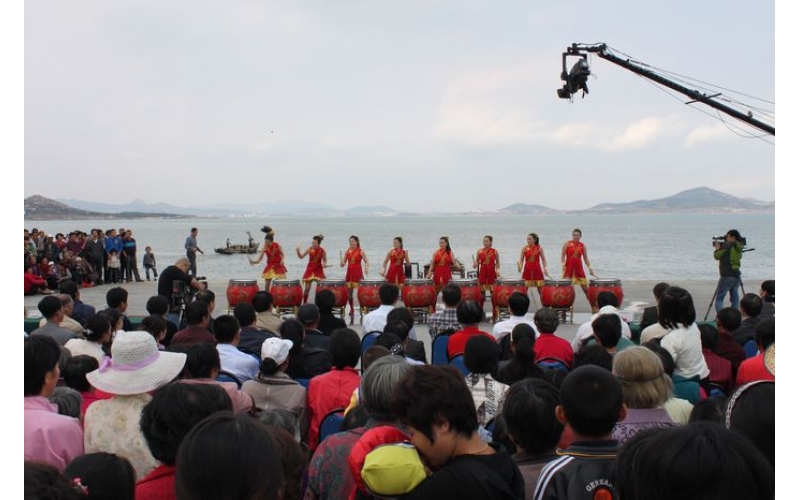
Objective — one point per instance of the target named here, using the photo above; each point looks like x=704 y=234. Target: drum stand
x=421 y=314
x=562 y=312
x=281 y=310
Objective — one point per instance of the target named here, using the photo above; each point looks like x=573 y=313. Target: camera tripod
x=713 y=298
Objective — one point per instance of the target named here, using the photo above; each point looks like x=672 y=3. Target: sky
x=418 y=105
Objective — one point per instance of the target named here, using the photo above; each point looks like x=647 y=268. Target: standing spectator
x=113 y=243
x=131 y=266
x=191 y=251
x=93 y=252
x=149 y=263
x=48 y=437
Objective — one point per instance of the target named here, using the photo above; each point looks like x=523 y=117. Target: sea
x=625 y=247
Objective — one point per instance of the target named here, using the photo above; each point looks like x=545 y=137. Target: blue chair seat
x=331 y=424
x=553 y=364
x=439 y=355
x=458 y=362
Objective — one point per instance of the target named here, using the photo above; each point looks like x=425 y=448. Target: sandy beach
x=636 y=294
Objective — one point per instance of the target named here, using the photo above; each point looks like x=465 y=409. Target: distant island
x=697 y=200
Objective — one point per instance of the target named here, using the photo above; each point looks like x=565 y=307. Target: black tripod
x=713 y=298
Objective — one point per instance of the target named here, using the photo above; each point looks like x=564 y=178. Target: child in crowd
x=114 y=266
x=591 y=403
x=149 y=263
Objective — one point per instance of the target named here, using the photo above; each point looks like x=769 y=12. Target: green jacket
x=729 y=256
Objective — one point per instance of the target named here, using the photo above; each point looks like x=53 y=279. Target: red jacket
x=31 y=280
x=550 y=346
x=158 y=485
x=326 y=393
x=458 y=341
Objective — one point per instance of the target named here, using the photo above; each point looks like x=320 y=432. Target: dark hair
x=592 y=399
x=469 y=312
x=49 y=306
x=451 y=295
x=481 y=355
x=174 y=410
x=708 y=336
x=293 y=330
x=262 y=301
x=225 y=328
x=388 y=293
x=371 y=355
x=687 y=462
x=116 y=297
x=675 y=308
x=735 y=233
x=157 y=304
x=447 y=241
x=355 y=418
x=535 y=238
x=751 y=413
x=113 y=316
x=666 y=358
x=69 y=287
x=768 y=287
x=765 y=332
x=74 y=373
x=607 y=299
x=106 y=476
x=269 y=234
x=751 y=304
x=202 y=358
x=429 y=395
x=196 y=311
x=45 y=482
x=358 y=242
x=389 y=340
x=521 y=365
x=593 y=354
x=399 y=240
x=245 y=313
x=519 y=303
x=41 y=357
x=729 y=318
x=608 y=329
x=345 y=348
x=318 y=238
x=96 y=326
x=325 y=300
x=249 y=450
x=293 y=461
x=529 y=413
x=403 y=314
x=658 y=290
x=399 y=328
x=206 y=296
x=154 y=325
x=546 y=320
x=710 y=409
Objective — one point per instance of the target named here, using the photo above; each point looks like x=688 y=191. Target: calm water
x=627 y=247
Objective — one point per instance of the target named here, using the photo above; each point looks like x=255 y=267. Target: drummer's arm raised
x=299 y=254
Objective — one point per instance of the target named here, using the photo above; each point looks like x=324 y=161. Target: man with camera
x=175 y=284
x=728 y=251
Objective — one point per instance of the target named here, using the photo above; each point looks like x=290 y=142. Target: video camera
x=183 y=294
x=722 y=239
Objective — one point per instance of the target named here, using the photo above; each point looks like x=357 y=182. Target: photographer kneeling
x=176 y=272
x=729 y=254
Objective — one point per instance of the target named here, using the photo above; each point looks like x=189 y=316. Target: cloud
x=636 y=135
x=712 y=133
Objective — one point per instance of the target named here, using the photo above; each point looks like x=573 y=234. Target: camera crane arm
x=576 y=80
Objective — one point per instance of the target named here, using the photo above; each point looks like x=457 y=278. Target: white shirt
x=375 y=320
x=654 y=331
x=585 y=330
x=239 y=364
x=77 y=347
x=686 y=349
x=503 y=328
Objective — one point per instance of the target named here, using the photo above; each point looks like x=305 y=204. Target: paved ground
x=637 y=294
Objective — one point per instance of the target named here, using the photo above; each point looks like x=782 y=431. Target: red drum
x=240 y=291
x=504 y=288
x=558 y=293
x=286 y=293
x=338 y=288
x=367 y=293
x=470 y=290
x=605 y=285
x=419 y=293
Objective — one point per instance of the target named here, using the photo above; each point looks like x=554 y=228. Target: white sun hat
x=136 y=365
x=276 y=349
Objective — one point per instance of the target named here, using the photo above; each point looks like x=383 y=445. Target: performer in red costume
x=275 y=269
x=396 y=258
x=487 y=262
x=352 y=258
x=317 y=262
x=441 y=263
x=533 y=263
x=573 y=255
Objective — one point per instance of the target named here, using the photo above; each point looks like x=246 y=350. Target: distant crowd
x=109 y=256
x=251 y=405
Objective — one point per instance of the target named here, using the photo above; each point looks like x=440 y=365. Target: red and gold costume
x=314 y=270
x=532 y=271
x=396 y=272
x=441 y=268
x=274 y=268
x=573 y=267
x=354 y=273
x=487 y=267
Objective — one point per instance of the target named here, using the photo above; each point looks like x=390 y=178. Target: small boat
x=229 y=249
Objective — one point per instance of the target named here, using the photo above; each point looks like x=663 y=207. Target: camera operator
x=729 y=255
x=176 y=272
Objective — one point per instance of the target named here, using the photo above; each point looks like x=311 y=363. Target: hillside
x=40 y=208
